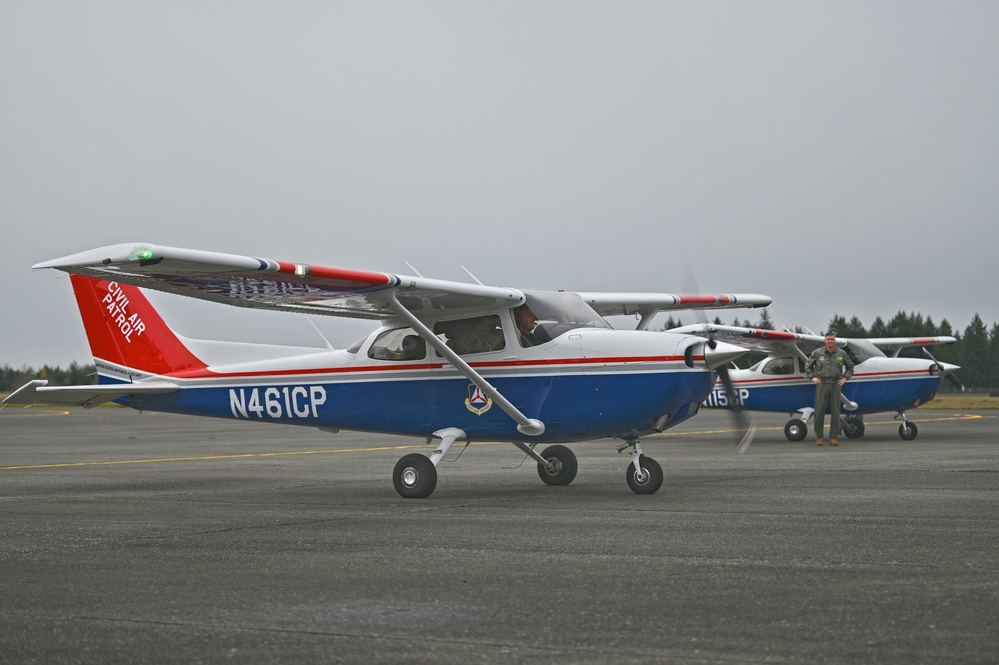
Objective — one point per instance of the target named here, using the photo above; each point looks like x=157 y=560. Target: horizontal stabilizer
x=37 y=392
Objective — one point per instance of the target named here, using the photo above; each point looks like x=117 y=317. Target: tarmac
x=154 y=538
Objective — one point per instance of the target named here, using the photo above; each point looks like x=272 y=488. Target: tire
x=795 y=430
x=565 y=466
x=414 y=477
x=653 y=476
x=853 y=428
x=908 y=431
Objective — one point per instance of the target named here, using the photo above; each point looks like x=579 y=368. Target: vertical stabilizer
x=124 y=329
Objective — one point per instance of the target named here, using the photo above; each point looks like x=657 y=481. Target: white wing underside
x=297 y=287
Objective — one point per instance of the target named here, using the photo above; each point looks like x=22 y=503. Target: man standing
x=829 y=368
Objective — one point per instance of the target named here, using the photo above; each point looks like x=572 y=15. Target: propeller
x=744 y=425
x=946 y=370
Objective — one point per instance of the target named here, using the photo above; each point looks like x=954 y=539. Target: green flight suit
x=830 y=368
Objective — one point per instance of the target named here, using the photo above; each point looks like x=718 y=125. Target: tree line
x=75 y=375
x=976 y=350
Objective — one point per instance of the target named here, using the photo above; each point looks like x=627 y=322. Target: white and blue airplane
x=882 y=380
x=450 y=361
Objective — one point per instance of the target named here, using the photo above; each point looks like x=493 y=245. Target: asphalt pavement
x=153 y=538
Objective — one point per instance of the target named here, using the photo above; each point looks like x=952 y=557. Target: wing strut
x=525 y=425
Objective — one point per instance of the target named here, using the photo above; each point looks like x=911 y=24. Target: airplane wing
x=277 y=285
x=774 y=342
x=757 y=339
x=37 y=392
x=613 y=304
x=892 y=345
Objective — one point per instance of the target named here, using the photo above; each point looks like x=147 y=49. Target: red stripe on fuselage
x=195 y=374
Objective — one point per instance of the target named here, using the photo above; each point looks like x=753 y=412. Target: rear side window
x=398 y=344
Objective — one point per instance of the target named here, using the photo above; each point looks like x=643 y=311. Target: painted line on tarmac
x=202 y=458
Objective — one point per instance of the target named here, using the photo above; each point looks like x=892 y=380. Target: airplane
x=447 y=363
x=882 y=380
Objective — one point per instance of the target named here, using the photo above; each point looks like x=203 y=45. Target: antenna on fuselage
x=329 y=347
x=413 y=269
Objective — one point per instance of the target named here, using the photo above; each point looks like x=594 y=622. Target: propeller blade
x=745 y=427
x=956 y=382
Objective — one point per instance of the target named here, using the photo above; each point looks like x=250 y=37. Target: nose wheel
x=907 y=431
x=644 y=475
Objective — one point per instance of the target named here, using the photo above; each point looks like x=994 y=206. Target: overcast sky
x=840 y=157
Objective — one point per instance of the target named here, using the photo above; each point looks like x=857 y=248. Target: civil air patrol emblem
x=477 y=402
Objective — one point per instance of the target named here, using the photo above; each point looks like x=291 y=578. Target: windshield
x=558 y=312
x=861 y=350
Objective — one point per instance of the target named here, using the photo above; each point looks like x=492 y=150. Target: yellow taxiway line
x=202 y=458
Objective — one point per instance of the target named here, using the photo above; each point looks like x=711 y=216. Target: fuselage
x=878 y=384
x=583 y=384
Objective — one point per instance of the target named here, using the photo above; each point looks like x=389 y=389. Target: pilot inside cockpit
x=528 y=331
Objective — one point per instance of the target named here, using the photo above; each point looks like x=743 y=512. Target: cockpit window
x=398 y=344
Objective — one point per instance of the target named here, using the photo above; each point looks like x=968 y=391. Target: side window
x=779 y=366
x=398 y=344
x=474 y=335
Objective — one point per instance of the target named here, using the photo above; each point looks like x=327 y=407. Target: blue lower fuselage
x=574 y=405
x=872 y=395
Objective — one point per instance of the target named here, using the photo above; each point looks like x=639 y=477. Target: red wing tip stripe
x=342 y=274
x=705 y=298
x=771 y=334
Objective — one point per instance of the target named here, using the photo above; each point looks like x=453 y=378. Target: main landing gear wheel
x=908 y=431
x=853 y=428
x=563 y=466
x=650 y=479
x=414 y=477
x=795 y=430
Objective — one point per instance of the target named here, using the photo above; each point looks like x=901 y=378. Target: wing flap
x=37 y=392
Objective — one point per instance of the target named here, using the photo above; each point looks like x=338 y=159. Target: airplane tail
x=125 y=330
